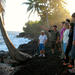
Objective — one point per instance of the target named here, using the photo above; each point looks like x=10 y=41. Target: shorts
x=41 y=47
x=55 y=45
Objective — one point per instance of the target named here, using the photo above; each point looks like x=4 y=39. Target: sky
x=70 y=6
x=16 y=14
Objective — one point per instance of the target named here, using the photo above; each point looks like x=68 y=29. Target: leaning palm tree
x=16 y=54
x=2 y=10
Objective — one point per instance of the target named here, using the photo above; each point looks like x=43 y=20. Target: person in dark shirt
x=55 y=38
x=73 y=44
x=70 y=44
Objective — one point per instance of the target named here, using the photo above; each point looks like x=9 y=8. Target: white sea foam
x=16 y=41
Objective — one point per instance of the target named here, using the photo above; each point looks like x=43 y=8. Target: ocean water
x=15 y=40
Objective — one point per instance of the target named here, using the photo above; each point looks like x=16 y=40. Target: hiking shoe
x=40 y=55
x=70 y=66
x=43 y=55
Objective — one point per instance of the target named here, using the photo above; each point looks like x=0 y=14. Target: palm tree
x=2 y=9
x=16 y=54
x=35 y=5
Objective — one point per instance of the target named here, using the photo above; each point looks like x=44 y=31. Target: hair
x=67 y=25
x=63 y=22
x=73 y=15
x=55 y=26
x=68 y=20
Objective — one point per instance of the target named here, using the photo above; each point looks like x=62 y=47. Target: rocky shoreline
x=50 y=65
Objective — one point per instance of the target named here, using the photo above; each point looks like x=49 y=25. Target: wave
x=16 y=41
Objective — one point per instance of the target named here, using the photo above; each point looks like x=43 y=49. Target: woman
x=65 y=37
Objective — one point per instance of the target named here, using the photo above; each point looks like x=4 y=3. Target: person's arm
x=74 y=35
x=58 y=37
x=45 y=40
x=47 y=29
x=39 y=40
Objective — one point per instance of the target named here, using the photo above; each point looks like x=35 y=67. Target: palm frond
x=29 y=8
x=26 y=3
x=30 y=13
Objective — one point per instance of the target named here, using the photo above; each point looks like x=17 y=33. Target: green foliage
x=32 y=28
x=50 y=11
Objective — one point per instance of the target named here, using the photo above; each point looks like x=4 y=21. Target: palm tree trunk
x=14 y=53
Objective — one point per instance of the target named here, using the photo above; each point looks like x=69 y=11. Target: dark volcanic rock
x=29 y=48
x=32 y=47
x=40 y=66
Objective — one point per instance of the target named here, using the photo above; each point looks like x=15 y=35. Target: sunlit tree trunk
x=14 y=53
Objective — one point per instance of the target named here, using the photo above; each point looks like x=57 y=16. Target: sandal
x=70 y=66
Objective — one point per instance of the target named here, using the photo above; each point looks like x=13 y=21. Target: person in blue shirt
x=42 y=42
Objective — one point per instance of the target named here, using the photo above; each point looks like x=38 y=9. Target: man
x=54 y=39
x=70 y=42
x=55 y=36
x=42 y=42
x=73 y=44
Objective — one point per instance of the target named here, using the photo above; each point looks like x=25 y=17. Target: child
x=42 y=42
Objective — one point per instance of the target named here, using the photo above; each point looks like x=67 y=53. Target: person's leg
x=63 y=51
x=72 y=55
x=59 y=47
x=73 y=69
x=52 y=51
x=42 y=50
x=74 y=63
x=53 y=47
x=68 y=49
x=64 y=47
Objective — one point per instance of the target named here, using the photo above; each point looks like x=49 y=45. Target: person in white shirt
x=42 y=42
x=65 y=37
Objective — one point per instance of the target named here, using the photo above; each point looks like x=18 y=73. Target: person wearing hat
x=42 y=42
x=54 y=38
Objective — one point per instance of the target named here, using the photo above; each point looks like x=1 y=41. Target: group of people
x=63 y=39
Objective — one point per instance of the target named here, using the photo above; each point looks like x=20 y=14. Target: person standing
x=42 y=42
x=55 y=38
x=65 y=37
x=73 y=44
x=62 y=31
x=61 y=38
x=70 y=43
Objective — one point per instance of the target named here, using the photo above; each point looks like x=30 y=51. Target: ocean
x=15 y=40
